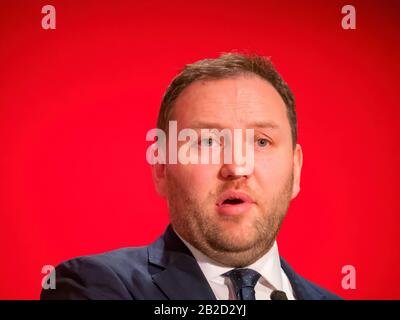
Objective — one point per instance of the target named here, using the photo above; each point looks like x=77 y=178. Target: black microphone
x=278 y=295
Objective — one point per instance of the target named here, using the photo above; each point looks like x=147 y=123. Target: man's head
x=232 y=218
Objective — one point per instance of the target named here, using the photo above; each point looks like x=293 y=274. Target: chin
x=243 y=225
x=235 y=240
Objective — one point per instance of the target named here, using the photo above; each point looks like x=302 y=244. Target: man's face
x=235 y=231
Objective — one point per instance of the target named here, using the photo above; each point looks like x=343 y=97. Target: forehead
x=231 y=102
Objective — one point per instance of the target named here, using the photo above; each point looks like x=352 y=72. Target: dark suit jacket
x=165 y=269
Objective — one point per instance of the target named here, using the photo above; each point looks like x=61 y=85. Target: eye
x=262 y=142
x=208 y=142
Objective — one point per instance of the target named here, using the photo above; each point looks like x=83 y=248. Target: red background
x=76 y=104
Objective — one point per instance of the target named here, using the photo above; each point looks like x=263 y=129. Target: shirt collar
x=269 y=266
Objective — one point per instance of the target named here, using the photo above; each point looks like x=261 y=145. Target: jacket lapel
x=178 y=274
x=301 y=287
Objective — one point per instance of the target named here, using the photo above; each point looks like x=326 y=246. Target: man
x=224 y=221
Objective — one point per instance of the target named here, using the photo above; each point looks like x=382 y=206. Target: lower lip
x=234 y=209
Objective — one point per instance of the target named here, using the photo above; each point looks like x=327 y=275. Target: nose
x=241 y=164
x=232 y=172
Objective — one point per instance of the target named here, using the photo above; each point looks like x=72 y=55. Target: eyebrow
x=255 y=124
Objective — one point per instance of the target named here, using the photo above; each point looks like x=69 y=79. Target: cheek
x=272 y=171
x=196 y=180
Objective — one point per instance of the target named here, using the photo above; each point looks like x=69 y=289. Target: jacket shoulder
x=305 y=289
x=327 y=295
x=101 y=276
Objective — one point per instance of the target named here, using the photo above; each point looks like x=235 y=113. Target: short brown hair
x=225 y=66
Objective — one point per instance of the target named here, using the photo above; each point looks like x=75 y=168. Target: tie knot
x=243 y=278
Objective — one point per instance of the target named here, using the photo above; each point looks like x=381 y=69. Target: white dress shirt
x=272 y=275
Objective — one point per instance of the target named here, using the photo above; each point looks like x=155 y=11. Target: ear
x=297 y=165
x=159 y=179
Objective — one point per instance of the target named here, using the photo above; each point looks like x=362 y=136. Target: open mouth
x=233 y=201
x=233 y=197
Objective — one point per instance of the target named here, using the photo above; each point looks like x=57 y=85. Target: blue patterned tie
x=244 y=281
